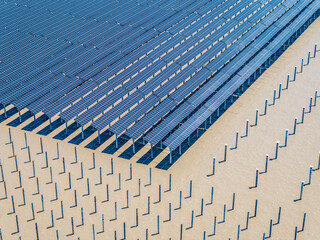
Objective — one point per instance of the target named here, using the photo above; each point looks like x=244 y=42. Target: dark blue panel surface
x=153 y=70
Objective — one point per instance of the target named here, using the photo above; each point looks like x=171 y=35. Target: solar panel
x=130 y=117
x=151 y=69
x=160 y=78
x=217 y=99
x=39 y=91
x=116 y=111
x=100 y=107
x=190 y=85
x=169 y=123
x=68 y=99
x=190 y=125
x=41 y=103
x=150 y=118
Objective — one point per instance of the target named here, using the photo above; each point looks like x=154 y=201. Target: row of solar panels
x=44 y=76
x=260 y=56
x=75 y=57
x=5 y=90
x=170 y=72
x=68 y=30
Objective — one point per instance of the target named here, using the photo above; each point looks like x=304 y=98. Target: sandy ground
x=279 y=187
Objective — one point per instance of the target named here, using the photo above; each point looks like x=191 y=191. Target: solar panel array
x=151 y=71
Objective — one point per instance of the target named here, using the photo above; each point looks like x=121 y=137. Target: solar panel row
x=224 y=93
x=147 y=69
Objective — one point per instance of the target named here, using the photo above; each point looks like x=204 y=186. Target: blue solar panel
x=190 y=85
x=169 y=22
x=225 y=75
x=159 y=79
x=165 y=106
x=179 y=50
x=185 y=130
x=208 y=29
x=209 y=6
x=217 y=35
x=248 y=11
x=223 y=58
x=222 y=8
x=214 y=102
x=152 y=69
x=134 y=114
x=68 y=99
x=99 y=107
x=115 y=112
x=150 y=118
x=7 y=86
x=235 y=9
x=261 y=13
x=274 y=15
x=184 y=23
x=191 y=54
x=41 y=103
x=169 y=123
x=42 y=89
x=165 y=47
x=289 y=3
x=11 y=93
x=144 y=75
x=249 y=36
x=234 y=35
x=208 y=89
x=173 y=82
